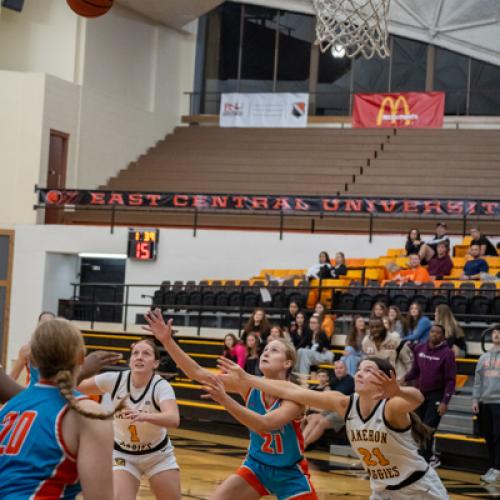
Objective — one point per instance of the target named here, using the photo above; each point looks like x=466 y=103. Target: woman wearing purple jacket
x=434 y=371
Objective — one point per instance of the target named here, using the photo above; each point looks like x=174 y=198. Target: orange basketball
x=90 y=8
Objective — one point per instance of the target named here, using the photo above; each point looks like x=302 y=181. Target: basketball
x=90 y=8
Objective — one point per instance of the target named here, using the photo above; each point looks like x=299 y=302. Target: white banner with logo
x=264 y=110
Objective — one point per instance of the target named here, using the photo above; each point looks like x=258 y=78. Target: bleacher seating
x=312 y=161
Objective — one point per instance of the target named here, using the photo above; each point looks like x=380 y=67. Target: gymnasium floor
x=207 y=459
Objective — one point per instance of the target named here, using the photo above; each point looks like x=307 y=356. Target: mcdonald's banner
x=265 y=203
x=402 y=110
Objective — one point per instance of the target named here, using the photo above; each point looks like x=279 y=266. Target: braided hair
x=55 y=347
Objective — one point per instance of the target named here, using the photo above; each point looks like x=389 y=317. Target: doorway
x=56 y=172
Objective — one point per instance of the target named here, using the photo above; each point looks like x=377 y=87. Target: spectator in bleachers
x=353 y=352
x=413 y=242
x=434 y=370
x=441 y=264
x=404 y=358
x=475 y=266
x=253 y=347
x=415 y=272
x=257 y=323
x=486 y=402
x=299 y=332
x=339 y=269
x=428 y=249
x=397 y=319
x=321 y=270
x=326 y=320
x=235 y=350
x=289 y=319
x=418 y=325
x=379 y=310
x=379 y=342
x=317 y=422
x=453 y=331
x=316 y=351
x=276 y=333
x=486 y=247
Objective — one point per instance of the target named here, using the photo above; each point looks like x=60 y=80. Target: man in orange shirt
x=416 y=273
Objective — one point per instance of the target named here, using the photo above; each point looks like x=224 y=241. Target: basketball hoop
x=357 y=26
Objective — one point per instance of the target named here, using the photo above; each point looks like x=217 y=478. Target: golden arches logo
x=393 y=106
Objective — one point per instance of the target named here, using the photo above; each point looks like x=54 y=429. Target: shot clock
x=143 y=244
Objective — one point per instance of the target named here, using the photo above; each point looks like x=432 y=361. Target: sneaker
x=493 y=477
x=485 y=476
x=434 y=462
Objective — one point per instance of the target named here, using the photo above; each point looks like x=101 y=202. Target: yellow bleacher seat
x=374 y=274
x=456 y=272
x=395 y=252
x=355 y=262
x=460 y=250
x=354 y=274
x=372 y=263
x=458 y=262
x=493 y=261
x=466 y=241
x=383 y=261
x=402 y=261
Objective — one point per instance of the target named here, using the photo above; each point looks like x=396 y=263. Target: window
x=484 y=89
x=408 y=60
x=451 y=77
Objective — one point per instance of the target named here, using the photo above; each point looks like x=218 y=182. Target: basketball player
x=142 y=444
x=380 y=426
x=52 y=443
x=23 y=358
x=275 y=463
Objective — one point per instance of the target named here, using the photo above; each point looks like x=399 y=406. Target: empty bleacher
x=314 y=161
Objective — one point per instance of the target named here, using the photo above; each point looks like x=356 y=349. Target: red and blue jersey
x=280 y=448
x=35 y=463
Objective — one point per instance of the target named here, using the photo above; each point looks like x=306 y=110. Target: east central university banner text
x=399 y=110
x=267 y=203
x=264 y=110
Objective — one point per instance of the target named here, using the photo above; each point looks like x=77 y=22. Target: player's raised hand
x=231 y=371
x=96 y=361
x=388 y=386
x=215 y=391
x=157 y=326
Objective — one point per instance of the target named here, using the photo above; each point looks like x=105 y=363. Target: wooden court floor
x=207 y=459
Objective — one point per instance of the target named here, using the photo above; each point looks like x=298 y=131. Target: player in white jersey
x=380 y=425
x=142 y=443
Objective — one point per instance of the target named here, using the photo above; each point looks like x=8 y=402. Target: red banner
x=399 y=110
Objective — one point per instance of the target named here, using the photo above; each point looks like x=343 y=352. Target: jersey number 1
x=134 y=437
x=20 y=429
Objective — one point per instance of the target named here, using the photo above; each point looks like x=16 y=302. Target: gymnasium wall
x=114 y=83
x=44 y=261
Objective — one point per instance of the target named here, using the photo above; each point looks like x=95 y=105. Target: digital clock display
x=143 y=244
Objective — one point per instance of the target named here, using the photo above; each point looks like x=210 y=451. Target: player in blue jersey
x=50 y=439
x=275 y=462
x=23 y=359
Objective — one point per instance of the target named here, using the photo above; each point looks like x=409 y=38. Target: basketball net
x=352 y=27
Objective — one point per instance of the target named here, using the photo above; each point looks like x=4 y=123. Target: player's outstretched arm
x=273 y=420
x=401 y=400
x=95 y=450
x=329 y=400
x=163 y=332
x=8 y=388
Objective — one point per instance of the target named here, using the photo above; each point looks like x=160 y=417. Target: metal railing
x=86 y=306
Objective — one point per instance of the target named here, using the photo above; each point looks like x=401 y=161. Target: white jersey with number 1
x=133 y=437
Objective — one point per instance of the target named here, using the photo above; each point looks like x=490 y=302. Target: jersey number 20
x=20 y=429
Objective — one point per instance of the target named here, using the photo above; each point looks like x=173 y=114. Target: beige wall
x=21 y=116
x=115 y=84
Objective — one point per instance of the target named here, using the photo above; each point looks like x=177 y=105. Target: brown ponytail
x=55 y=347
x=420 y=432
